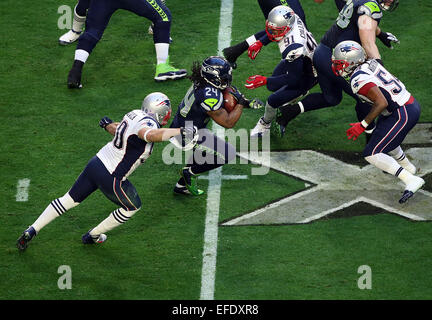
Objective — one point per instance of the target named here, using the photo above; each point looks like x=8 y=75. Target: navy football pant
x=210 y=152
x=332 y=86
x=82 y=7
x=96 y=176
x=300 y=81
x=100 y=12
x=390 y=131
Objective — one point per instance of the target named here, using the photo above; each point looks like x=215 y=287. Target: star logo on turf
x=333 y=185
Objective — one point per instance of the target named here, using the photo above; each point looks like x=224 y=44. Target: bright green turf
x=49 y=133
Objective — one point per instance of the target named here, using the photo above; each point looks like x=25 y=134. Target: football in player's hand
x=229 y=101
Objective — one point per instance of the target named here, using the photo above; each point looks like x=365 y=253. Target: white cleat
x=414 y=185
x=261 y=128
x=69 y=37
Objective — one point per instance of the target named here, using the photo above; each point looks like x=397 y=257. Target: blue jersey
x=345 y=26
x=195 y=105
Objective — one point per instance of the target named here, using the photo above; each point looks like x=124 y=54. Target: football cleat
x=165 y=71
x=89 y=239
x=69 y=37
x=262 y=128
x=190 y=181
x=25 y=238
x=411 y=188
x=285 y=115
x=74 y=76
x=229 y=54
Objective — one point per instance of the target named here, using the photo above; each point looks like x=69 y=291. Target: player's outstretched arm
x=367 y=31
x=158 y=135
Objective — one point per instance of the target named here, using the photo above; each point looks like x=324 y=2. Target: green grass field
x=50 y=132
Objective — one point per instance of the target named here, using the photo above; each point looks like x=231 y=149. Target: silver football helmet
x=347 y=56
x=279 y=22
x=157 y=105
x=388 y=5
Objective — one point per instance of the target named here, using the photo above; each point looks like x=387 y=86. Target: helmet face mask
x=217 y=71
x=347 y=56
x=388 y=5
x=279 y=22
x=157 y=105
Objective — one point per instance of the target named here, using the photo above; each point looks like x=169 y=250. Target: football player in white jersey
x=109 y=170
x=394 y=106
x=294 y=75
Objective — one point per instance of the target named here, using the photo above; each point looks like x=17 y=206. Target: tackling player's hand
x=388 y=39
x=355 y=130
x=189 y=135
x=255 y=81
x=254 y=49
x=241 y=99
x=104 y=122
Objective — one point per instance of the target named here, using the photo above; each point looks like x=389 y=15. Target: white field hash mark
x=22 y=190
x=208 y=273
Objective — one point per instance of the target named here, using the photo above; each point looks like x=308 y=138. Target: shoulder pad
x=211 y=98
x=149 y=122
x=371 y=9
x=293 y=52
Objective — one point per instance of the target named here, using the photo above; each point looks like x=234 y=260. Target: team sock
x=55 y=209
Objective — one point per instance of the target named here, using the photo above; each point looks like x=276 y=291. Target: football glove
x=355 y=130
x=254 y=49
x=388 y=39
x=241 y=99
x=104 y=122
x=189 y=137
x=255 y=81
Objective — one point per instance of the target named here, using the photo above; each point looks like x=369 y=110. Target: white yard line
x=22 y=190
x=208 y=274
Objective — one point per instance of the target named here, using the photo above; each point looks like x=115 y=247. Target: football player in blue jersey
x=109 y=170
x=358 y=20
x=386 y=37
x=294 y=75
x=259 y=39
x=394 y=106
x=98 y=15
x=204 y=101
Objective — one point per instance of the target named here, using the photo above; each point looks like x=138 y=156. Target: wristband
x=364 y=124
x=145 y=134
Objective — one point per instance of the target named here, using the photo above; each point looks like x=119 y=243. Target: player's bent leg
x=98 y=17
x=54 y=210
x=115 y=219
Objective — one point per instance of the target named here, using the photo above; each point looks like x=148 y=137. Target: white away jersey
x=127 y=151
x=297 y=42
x=371 y=74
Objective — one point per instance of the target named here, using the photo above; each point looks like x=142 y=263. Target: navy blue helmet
x=217 y=71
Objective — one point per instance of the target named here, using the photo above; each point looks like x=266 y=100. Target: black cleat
x=285 y=115
x=25 y=238
x=406 y=195
x=74 y=76
x=229 y=54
